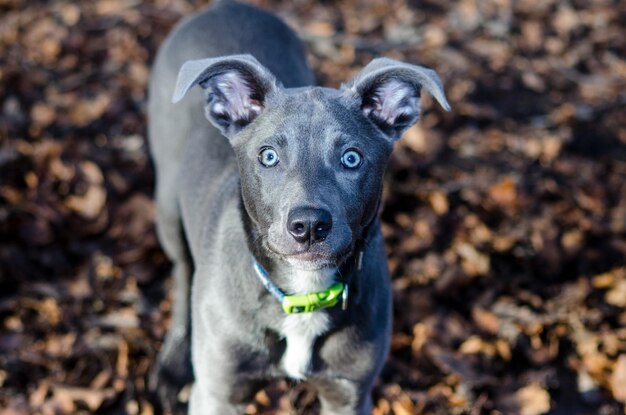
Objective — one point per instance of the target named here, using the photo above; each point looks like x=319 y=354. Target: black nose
x=309 y=224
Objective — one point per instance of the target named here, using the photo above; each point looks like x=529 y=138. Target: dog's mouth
x=312 y=259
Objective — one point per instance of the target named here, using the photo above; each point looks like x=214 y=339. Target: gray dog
x=272 y=205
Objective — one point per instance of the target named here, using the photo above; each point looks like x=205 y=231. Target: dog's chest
x=301 y=330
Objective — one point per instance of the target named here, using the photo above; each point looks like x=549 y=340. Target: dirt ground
x=505 y=219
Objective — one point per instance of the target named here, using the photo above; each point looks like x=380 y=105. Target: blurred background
x=505 y=220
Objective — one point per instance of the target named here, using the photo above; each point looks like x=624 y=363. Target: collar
x=306 y=303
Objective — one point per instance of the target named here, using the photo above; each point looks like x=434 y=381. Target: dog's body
x=285 y=188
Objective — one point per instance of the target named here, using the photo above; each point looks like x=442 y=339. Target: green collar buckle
x=296 y=304
x=306 y=303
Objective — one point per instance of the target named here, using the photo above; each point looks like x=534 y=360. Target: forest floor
x=505 y=219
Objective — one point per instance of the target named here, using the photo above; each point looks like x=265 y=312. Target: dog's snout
x=309 y=224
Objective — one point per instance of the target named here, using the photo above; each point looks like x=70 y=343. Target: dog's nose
x=309 y=224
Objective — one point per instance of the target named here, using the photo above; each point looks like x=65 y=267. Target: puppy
x=268 y=190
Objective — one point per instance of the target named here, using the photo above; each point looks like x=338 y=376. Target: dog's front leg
x=225 y=365
x=205 y=402
x=343 y=397
x=222 y=397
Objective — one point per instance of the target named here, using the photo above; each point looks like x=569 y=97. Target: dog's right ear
x=236 y=89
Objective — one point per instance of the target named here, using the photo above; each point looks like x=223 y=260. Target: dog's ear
x=236 y=88
x=389 y=93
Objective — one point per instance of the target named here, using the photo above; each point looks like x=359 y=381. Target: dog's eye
x=351 y=159
x=268 y=157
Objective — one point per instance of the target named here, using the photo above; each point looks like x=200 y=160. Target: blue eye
x=351 y=159
x=268 y=157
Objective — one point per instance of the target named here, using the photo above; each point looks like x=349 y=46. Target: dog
x=268 y=191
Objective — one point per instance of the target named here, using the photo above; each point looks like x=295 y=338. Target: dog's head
x=311 y=159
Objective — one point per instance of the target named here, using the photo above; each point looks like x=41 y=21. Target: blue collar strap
x=267 y=283
x=296 y=304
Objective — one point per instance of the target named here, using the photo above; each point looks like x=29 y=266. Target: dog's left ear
x=389 y=93
x=236 y=88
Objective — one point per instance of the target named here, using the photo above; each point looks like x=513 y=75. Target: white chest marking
x=301 y=330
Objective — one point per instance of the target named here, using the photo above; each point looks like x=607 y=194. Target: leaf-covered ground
x=505 y=220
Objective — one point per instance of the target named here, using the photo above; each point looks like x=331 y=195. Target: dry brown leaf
x=125 y=318
x=382 y=407
x=262 y=398
x=146 y=408
x=114 y=7
x=565 y=20
x=100 y=381
x=533 y=400
x=474 y=263
x=185 y=393
x=472 y=345
x=319 y=28
x=121 y=366
x=70 y=14
x=618 y=379
x=486 y=320
x=61 y=345
x=38 y=396
x=50 y=311
x=421 y=332
x=504 y=193
x=42 y=114
x=87 y=110
x=415 y=139
x=572 y=241
x=90 y=204
x=403 y=406
x=604 y=280
x=92 y=398
x=617 y=295
x=439 y=202
x=503 y=349
x=615 y=280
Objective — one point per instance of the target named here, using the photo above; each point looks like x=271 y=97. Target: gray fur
x=218 y=207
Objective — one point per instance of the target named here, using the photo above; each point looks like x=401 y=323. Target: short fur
x=218 y=207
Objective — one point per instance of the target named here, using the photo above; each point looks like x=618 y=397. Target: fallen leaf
x=618 y=379
x=486 y=320
x=92 y=398
x=439 y=202
x=474 y=263
x=533 y=400
x=504 y=193
x=90 y=204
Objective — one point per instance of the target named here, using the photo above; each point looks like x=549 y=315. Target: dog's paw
x=170 y=389
x=171 y=374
